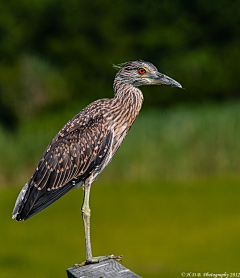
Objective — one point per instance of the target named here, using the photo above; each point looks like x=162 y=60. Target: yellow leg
x=86 y=213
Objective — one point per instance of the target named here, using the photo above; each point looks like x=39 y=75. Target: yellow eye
x=141 y=70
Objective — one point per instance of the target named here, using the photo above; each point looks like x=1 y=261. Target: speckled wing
x=77 y=151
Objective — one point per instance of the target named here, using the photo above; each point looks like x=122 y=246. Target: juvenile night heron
x=86 y=144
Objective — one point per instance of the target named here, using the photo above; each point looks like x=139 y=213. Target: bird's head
x=139 y=73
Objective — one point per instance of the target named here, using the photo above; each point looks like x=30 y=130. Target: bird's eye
x=141 y=70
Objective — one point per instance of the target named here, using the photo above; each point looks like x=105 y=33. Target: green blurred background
x=169 y=201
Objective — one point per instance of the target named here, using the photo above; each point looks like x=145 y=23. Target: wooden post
x=105 y=269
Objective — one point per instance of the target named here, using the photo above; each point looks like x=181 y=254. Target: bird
x=85 y=146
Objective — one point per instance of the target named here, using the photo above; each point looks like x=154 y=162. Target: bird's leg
x=86 y=212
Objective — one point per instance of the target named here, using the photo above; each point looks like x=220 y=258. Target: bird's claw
x=99 y=259
x=116 y=258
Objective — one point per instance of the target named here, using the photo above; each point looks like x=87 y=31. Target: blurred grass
x=162 y=228
x=174 y=144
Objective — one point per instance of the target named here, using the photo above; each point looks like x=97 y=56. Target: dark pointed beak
x=161 y=79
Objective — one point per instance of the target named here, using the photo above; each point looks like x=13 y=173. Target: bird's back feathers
x=79 y=150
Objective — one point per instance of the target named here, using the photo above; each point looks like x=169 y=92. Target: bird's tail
x=19 y=201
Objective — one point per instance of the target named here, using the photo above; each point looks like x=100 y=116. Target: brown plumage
x=87 y=143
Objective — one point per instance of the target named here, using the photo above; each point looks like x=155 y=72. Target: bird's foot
x=99 y=259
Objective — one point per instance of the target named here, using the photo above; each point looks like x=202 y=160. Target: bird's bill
x=161 y=79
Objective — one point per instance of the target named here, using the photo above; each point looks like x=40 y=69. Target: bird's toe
x=99 y=259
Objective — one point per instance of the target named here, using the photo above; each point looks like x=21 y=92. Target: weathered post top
x=105 y=269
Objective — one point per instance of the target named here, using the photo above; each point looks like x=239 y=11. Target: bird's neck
x=130 y=97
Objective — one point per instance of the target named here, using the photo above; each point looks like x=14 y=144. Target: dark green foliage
x=56 y=51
